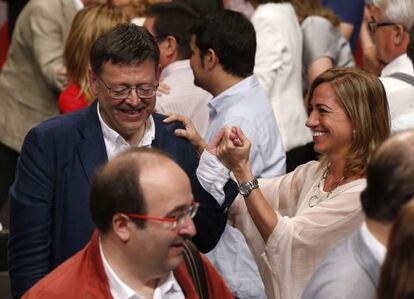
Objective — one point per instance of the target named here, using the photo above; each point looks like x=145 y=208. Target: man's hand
x=189 y=132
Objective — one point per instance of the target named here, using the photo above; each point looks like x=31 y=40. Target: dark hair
x=173 y=19
x=306 y=8
x=390 y=178
x=202 y=6
x=125 y=44
x=410 y=47
x=272 y=1
x=116 y=186
x=396 y=280
x=231 y=36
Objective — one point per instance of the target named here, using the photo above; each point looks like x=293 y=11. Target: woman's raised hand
x=233 y=149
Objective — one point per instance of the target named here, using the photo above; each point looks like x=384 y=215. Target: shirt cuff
x=212 y=176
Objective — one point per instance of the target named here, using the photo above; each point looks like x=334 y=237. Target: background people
x=390 y=23
x=278 y=67
x=326 y=50
x=32 y=76
x=406 y=120
x=87 y=26
x=351 y=14
x=171 y=24
x=397 y=272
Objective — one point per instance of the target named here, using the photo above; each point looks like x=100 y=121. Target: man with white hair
x=406 y=120
x=390 y=25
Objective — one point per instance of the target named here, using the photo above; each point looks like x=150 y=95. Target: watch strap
x=247 y=187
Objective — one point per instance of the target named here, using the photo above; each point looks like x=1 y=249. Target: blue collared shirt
x=246 y=105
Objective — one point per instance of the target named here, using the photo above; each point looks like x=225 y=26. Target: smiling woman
x=290 y=222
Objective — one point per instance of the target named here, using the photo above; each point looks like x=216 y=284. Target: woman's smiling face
x=330 y=124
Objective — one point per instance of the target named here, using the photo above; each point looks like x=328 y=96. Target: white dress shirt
x=400 y=94
x=167 y=288
x=184 y=98
x=403 y=122
x=116 y=144
x=79 y=4
x=378 y=250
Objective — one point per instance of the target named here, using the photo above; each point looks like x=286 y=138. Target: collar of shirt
x=401 y=64
x=378 y=250
x=174 y=67
x=116 y=144
x=119 y=290
x=78 y=4
x=227 y=98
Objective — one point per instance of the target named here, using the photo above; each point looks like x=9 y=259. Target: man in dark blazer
x=351 y=271
x=50 y=218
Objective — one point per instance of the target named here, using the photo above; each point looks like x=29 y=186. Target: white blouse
x=303 y=235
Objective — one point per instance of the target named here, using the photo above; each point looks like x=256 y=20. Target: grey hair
x=397 y=11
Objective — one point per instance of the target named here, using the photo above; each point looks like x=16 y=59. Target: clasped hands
x=229 y=144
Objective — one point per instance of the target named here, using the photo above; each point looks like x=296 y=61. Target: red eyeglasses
x=171 y=222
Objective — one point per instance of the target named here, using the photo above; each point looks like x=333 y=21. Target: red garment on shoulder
x=70 y=100
x=83 y=276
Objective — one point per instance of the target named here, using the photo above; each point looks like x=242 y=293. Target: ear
x=92 y=81
x=121 y=226
x=171 y=46
x=210 y=59
x=399 y=34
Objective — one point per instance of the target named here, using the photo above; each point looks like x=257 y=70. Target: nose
x=312 y=120
x=133 y=99
x=187 y=229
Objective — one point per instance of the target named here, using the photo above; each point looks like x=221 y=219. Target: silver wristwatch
x=246 y=188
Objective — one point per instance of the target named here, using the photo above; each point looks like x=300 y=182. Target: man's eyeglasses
x=373 y=25
x=171 y=222
x=144 y=91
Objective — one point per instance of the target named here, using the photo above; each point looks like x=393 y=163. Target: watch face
x=243 y=190
x=246 y=188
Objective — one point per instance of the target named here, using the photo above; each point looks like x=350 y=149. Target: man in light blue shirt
x=224 y=47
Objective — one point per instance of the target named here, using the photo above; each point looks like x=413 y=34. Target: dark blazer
x=50 y=219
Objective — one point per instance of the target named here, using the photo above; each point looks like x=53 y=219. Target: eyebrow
x=323 y=106
x=129 y=85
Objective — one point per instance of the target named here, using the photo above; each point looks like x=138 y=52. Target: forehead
x=165 y=187
x=143 y=72
x=121 y=2
x=324 y=94
x=376 y=13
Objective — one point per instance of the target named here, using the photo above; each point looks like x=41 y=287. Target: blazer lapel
x=91 y=149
